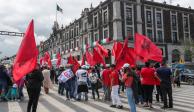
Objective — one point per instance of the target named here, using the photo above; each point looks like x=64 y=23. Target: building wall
x=118 y=29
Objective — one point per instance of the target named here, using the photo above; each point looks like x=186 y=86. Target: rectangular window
x=149 y=34
x=86 y=40
x=77 y=43
x=95 y=22
x=186 y=35
x=186 y=24
x=129 y=32
x=105 y=17
x=105 y=33
x=159 y=20
x=85 y=26
x=174 y=22
x=149 y=17
x=160 y=36
x=129 y=18
x=77 y=31
x=174 y=37
x=72 y=45
x=95 y=37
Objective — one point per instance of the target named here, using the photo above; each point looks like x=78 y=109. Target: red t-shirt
x=114 y=78
x=128 y=80
x=148 y=76
x=106 y=77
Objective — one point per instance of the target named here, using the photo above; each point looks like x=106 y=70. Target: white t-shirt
x=93 y=77
x=82 y=75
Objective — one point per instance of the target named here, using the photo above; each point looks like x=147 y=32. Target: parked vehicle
x=188 y=76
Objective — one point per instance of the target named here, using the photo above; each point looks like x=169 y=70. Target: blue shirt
x=164 y=73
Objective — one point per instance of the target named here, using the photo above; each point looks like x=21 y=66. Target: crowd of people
x=139 y=84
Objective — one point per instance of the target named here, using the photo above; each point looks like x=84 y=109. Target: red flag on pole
x=58 y=59
x=98 y=59
x=26 y=58
x=127 y=55
x=41 y=61
x=89 y=58
x=117 y=48
x=47 y=59
x=102 y=49
x=74 y=62
x=145 y=48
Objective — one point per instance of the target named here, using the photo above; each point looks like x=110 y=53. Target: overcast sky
x=15 y=15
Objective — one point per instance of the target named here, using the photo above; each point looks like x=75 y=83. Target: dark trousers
x=61 y=88
x=95 y=89
x=167 y=91
x=148 y=91
x=159 y=94
x=33 y=94
x=70 y=89
x=20 y=91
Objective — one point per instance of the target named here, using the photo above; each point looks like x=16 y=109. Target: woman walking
x=128 y=81
x=47 y=83
x=148 y=81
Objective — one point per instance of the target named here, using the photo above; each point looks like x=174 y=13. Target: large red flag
x=145 y=48
x=102 y=49
x=97 y=57
x=26 y=58
x=89 y=58
x=127 y=55
x=47 y=59
x=58 y=59
x=74 y=62
x=41 y=61
x=117 y=48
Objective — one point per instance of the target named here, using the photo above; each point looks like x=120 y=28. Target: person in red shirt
x=114 y=78
x=148 y=81
x=106 y=83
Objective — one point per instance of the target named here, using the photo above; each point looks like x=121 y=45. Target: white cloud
x=15 y=15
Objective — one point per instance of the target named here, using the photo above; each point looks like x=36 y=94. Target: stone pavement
x=183 y=102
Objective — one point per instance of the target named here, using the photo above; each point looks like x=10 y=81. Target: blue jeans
x=131 y=100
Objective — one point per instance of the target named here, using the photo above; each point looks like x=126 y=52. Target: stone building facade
x=166 y=25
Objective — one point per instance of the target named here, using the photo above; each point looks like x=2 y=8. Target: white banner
x=65 y=76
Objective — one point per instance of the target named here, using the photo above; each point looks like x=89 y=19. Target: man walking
x=165 y=75
x=114 y=77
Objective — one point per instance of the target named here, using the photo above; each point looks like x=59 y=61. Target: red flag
x=127 y=55
x=26 y=58
x=117 y=47
x=89 y=58
x=58 y=59
x=41 y=61
x=102 y=49
x=47 y=59
x=97 y=57
x=83 y=60
x=145 y=48
x=74 y=62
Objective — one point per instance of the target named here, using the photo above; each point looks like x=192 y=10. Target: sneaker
x=170 y=107
x=164 y=107
x=120 y=107
x=114 y=106
x=72 y=99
